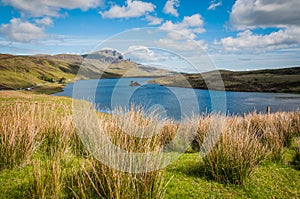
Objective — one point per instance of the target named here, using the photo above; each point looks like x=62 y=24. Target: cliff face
x=110 y=56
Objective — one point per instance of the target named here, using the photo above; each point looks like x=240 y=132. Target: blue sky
x=236 y=35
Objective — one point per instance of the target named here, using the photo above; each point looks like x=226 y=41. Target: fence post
x=268 y=110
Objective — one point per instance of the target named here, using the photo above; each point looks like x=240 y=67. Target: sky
x=233 y=34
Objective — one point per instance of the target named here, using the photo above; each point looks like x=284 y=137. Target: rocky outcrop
x=133 y=83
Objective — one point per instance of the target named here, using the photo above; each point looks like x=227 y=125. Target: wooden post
x=268 y=110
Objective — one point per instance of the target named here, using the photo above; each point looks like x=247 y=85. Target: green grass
x=59 y=159
x=270 y=180
x=20 y=72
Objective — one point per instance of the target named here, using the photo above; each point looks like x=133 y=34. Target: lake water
x=176 y=102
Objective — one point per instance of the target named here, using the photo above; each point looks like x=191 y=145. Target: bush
x=47 y=79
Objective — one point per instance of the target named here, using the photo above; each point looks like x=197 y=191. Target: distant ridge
x=49 y=73
x=285 y=80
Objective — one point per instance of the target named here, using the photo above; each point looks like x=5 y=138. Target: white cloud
x=21 y=31
x=153 y=20
x=46 y=21
x=130 y=10
x=190 y=26
x=246 y=40
x=143 y=54
x=194 y=20
x=252 y=14
x=182 y=45
x=171 y=7
x=214 y=5
x=38 y=8
x=265 y=13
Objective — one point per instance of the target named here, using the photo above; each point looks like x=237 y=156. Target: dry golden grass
x=244 y=142
x=119 y=168
x=275 y=131
x=42 y=134
x=235 y=155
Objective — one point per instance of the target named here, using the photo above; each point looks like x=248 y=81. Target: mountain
x=49 y=73
x=285 y=80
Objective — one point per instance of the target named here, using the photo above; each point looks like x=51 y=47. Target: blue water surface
x=176 y=102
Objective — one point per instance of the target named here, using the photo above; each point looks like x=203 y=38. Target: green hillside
x=39 y=74
x=286 y=80
x=48 y=74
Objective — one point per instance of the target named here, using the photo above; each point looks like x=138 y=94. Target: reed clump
x=235 y=155
x=275 y=131
x=23 y=128
x=122 y=169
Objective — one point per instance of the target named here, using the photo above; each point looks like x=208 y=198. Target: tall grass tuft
x=52 y=156
x=205 y=124
x=275 y=131
x=296 y=160
x=235 y=155
x=46 y=181
x=19 y=128
x=295 y=123
x=119 y=170
x=96 y=180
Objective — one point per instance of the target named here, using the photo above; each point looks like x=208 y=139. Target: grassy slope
x=19 y=72
x=270 y=180
x=274 y=80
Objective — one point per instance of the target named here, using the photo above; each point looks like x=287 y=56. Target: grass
x=42 y=155
x=20 y=72
x=269 y=180
x=296 y=159
x=235 y=155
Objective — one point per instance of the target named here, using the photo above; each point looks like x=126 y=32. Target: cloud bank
x=21 y=31
x=37 y=8
x=249 y=15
